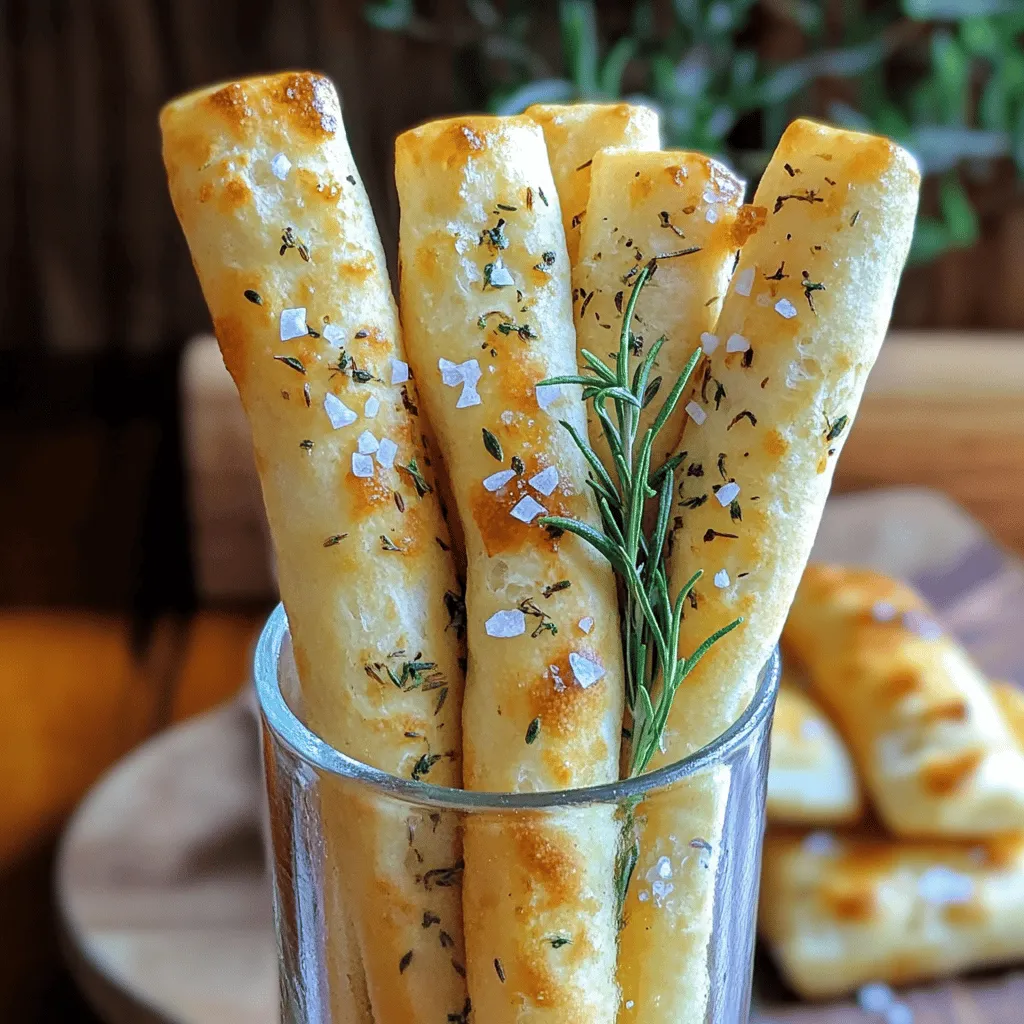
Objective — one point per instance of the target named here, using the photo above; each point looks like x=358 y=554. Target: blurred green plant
x=945 y=78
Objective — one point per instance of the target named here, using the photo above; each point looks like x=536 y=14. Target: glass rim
x=302 y=742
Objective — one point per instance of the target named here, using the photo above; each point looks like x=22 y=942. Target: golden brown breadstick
x=841 y=911
x=679 y=208
x=574 y=133
x=811 y=778
x=933 y=748
x=485 y=297
x=801 y=324
x=287 y=252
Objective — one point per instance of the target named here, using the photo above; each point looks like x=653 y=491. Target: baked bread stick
x=677 y=208
x=811 y=295
x=574 y=133
x=839 y=912
x=811 y=777
x=485 y=297
x=287 y=252
x=932 y=745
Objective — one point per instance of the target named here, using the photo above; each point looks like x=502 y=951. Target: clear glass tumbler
x=359 y=855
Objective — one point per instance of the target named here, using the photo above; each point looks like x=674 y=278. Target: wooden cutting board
x=161 y=881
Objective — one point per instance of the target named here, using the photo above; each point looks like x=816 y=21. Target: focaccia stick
x=574 y=133
x=839 y=912
x=288 y=255
x=681 y=209
x=811 y=777
x=488 y=316
x=935 y=752
x=812 y=295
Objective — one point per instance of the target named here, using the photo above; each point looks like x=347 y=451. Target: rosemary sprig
x=651 y=617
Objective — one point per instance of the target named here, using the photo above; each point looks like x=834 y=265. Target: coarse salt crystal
x=711 y=216
x=548 y=393
x=820 y=843
x=451 y=373
x=708 y=342
x=362 y=465
x=883 y=611
x=280 y=166
x=527 y=509
x=499 y=275
x=941 y=886
x=338 y=412
x=722 y=579
x=545 y=481
x=386 y=452
x=737 y=343
x=333 y=333
x=745 y=281
x=367 y=443
x=496 y=481
x=875 y=997
x=470 y=396
x=293 y=323
x=507 y=417
x=587 y=672
x=399 y=371
x=785 y=308
x=372 y=407
x=727 y=493
x=586 y=623
x=663 y=867
x=696 y=413
x=506 y=624
x=470 y=372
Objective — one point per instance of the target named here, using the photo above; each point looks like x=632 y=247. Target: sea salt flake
x=545 y=481
x=664 y=867
x=399 y=371
x=722 y=579
x=280 y=166
x=745 y=281
x=372 y=407
x=785 y=308
x=875 y=997
x=527 y=509
x=586 y=623
x=470 y=396
x=820 y=843
x=333 y=333
x=338 y=412
x=696 y=413
x=362 y=465
x=941 y=886
x=496 y=481
x=451 y=373
x=708 y=342
x=386 y=453
x=500 y=276
x=507 y=417
x=547 y=394
x=883 y=611
x=367 y=443
x=506 y=624
x=727 y=494
x=587 y=672
x=293 y=323
x=711 y=216
x=737 y=343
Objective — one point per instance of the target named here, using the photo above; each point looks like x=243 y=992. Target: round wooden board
x=161 y=881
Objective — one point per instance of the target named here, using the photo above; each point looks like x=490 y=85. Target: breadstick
x=839 y=912
x=811 y=778
x=485 y=296
x=680 y=208
x=935 y=752
x=287 y=252
x=811 y=296
x=574 y=133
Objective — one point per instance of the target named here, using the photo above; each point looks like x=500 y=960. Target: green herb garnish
x=493 y=445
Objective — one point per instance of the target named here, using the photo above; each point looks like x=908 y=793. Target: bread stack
x=896 y=796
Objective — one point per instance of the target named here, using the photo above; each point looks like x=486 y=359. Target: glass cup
x=355 y=850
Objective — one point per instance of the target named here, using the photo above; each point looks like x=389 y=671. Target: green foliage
x=945 y=78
